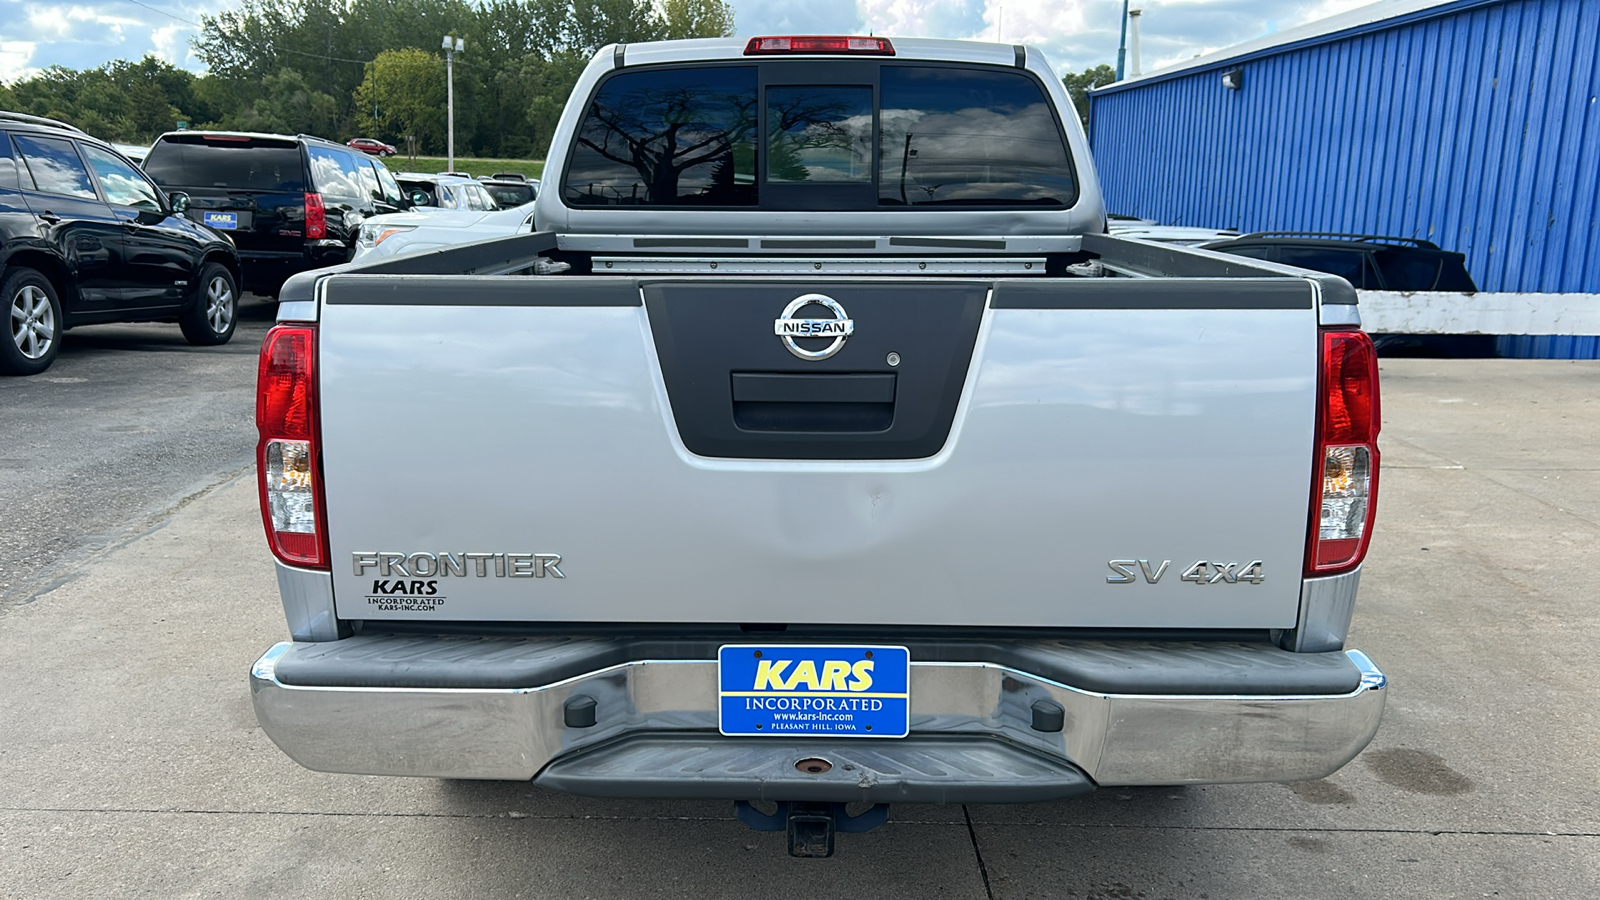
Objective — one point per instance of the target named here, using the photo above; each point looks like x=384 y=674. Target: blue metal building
x=1473 y=124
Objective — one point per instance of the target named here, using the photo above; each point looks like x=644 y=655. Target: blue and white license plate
x=225 y=220
x=795 y=690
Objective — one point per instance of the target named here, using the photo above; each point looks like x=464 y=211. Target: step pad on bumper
x=918 y=769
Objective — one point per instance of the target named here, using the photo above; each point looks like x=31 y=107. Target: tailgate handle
x=772 y=387
x=815 y=404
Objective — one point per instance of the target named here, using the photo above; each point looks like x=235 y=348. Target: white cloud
x=171 y=43
x=752 y=17
x=14 y=59
x=922 y=18
x=78 y=23
x=1035 y=22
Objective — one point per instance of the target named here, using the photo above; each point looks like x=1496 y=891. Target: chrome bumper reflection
x=1117 y=739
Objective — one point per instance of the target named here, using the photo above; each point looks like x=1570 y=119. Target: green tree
x=537 y=88
x=120 y=101
x=1078 y=87
x=288 y=105
x=592 y=24
x=407 y=89
x=696 y=18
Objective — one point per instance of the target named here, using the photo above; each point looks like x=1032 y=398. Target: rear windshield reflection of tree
x=663 y=133
x=797 y=123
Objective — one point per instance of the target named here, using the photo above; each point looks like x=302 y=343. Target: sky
x=1074 y=34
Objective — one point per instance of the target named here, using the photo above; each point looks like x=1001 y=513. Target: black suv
x=290 y=202
x=1374 y=263
x=86 y=238
x=1368 y=262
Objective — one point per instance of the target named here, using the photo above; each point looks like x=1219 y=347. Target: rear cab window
x=821 y=135
x=238 y=162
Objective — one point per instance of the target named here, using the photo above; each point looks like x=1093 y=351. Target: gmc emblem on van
x=840 y=327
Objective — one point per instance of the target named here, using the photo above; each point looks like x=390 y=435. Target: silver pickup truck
x=819 y=449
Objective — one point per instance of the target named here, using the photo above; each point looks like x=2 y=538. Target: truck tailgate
x=576 y=449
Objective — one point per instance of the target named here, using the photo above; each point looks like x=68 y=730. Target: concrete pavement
x=131 y=765
x=128 y=421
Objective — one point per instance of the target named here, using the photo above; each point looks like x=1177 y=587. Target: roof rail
x=1415 y=242
x=7 y=115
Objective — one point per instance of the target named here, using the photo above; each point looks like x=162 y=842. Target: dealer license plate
x=796 y=690
x=227 y=220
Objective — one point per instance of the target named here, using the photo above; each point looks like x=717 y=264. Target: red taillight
x=316 y=218
x=288 y=464
x=1344 y=486
x=816 y=43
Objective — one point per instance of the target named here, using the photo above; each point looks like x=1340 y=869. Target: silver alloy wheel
x=219 y=304
x=33 y=322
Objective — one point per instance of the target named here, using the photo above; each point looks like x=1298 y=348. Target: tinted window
x=123 y=185
x=509 y=195
x=249 y=164
x=1453 y=274
x=965 y=137
x=370 y=189
x=335 y=173
x=56 y=167
x=8 y=166
x=673 y=137
x=821 y=135
x=1347 y=264
x=391 y=187
x=1405 y=271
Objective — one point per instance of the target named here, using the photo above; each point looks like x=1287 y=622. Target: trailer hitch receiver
x=811 y=826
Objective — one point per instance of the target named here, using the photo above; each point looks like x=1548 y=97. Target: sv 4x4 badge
x=1202 y=572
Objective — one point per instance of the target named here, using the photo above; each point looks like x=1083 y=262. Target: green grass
x=532 y=168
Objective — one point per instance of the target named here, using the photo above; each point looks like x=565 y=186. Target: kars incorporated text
x=854 y=704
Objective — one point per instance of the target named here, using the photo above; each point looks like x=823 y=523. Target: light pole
x=1122 y=45
x=452 y=46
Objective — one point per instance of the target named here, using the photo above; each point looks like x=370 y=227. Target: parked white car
x=430 y=193
x=396 y=233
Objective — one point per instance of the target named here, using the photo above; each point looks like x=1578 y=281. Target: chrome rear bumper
x=1114 y=739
